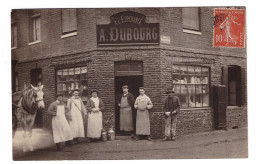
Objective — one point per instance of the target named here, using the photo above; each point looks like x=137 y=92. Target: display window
x=191 y=85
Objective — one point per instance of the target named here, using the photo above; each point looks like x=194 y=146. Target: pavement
x=231 y=143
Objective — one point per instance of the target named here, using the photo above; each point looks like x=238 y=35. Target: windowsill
x=69 y=35
x=233 y=107
x=13 y=48
x=35 y=42
x=192 y=32
x=199 y=108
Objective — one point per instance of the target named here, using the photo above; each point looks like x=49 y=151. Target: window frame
x=208 y=85
x=192 y=30
x=72 y=67
x=35 y=32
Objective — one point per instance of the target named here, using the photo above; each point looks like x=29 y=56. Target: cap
x=125 y=86
x=94 y=90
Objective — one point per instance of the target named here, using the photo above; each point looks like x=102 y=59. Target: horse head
x=38 y=96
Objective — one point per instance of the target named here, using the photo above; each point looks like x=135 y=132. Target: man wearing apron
x=78 y=112
x=126 y=112
x=60 y=126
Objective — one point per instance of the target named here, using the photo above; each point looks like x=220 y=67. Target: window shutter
x=73 y=20
x=69 y=20
x=15 y=36
x=65 y=20
x=190 y=18
x=38 y=26
x=243 y=86
x=225 y=81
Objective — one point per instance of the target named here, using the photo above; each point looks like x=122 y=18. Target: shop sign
x=128 y=28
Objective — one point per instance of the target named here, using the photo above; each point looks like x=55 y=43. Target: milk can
x=111 y=134
x=104 y=136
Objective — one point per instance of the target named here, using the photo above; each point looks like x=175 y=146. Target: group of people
x=67 y=119
x=68 y=125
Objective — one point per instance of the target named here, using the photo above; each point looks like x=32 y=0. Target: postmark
x=229 y=28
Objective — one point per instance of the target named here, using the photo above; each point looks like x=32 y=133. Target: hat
x=170 y=90
x=141 y=88
x=94 y=90
x=59 y=95
x=125 y=86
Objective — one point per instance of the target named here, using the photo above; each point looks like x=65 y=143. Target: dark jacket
x=91 y=104
x=176 y=105
x=130 y=99
x=53 y=110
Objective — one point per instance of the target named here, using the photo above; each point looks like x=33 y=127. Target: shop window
x=72 y=78
x=69 y=20
x=190 y=18
x=234 y=79
x=13 y=35
x=36 y=77
x=35 y=29
x=191 y=85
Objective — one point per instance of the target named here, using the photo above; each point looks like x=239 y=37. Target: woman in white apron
x=95 y=106
x=60 y=125
x=143 y=104
x=78 y=111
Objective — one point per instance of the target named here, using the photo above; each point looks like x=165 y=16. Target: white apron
x=60 y=126
x=76 y=125
x=94 y=122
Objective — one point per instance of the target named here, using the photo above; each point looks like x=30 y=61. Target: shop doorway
x=131 y=74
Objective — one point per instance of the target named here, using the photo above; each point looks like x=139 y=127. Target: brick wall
x=54 y=52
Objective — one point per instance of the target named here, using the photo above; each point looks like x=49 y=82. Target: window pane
x=175 y=69
x=184 y=101
x=176 y=79
x=135 y=67
x=177 y=89
x=123 y=67
x=198 y=99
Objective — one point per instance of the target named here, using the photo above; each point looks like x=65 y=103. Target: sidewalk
x=144 y=149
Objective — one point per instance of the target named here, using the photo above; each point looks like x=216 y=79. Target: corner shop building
x=152 y=47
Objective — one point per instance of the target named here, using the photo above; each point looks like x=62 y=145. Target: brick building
x=103 y=49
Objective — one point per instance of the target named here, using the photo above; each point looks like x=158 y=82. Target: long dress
x=77 y=125
x=126 y=118
x=60 y=126
x=94 y=121
x=142 y=116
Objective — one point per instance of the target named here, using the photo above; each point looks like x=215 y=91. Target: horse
x=29 y=101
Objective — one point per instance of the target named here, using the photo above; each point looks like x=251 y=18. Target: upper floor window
x=190 y=18
x=13 y=35
x=35 y=29
x=69 y=20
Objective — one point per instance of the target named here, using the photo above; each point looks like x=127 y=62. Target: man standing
x=143 y=103
x=126 y=105
x=60 y=126
x=78 y=110
x=171 y=110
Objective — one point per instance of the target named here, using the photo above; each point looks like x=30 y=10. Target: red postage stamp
x=229 y=28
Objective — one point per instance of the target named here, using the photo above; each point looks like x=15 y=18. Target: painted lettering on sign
x=128 y=28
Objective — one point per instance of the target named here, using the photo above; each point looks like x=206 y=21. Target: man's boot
x=59 y=147
x=149 y=138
